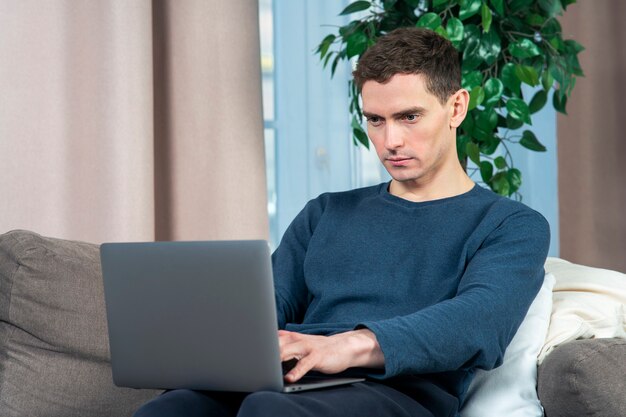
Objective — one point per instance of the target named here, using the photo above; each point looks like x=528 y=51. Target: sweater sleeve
x=473 y=328
x=292 y=295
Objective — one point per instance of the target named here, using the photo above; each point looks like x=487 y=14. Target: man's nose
x=394 y=138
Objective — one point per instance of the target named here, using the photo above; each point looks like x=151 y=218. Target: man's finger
x=303 y=366
x=291 y=351
x=286 y=337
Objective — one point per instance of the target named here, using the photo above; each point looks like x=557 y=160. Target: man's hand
x=329 y=354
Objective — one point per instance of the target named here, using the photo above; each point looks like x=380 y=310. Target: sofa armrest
x=584 y=378
x=54 y=350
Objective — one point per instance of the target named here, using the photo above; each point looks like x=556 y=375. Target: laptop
x=197 y=315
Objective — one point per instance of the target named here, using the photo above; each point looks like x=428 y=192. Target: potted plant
x=503 y=44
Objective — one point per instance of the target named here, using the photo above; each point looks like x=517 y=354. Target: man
x=414 y=283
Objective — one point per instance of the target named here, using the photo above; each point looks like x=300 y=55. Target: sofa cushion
x=584 y=378
x=587 y=303
x=54 y=352
x=511 y=389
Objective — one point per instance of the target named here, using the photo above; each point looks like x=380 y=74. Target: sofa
x=54 y=350
x=54 y=353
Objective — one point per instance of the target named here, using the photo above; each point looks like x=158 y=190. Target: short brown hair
x=412 y=50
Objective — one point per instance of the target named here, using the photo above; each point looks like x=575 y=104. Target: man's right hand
x=329 y=354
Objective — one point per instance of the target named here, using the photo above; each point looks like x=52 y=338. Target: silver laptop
x=197 y=315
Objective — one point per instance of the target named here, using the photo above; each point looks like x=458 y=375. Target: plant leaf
x=546 y=80
x=471 y=31
x=493 y=91
x=360 y=135
x=559 y=101
x=471 y=57
x=573 y=47
x=500 y=184
x=486 y=171
x=509 y=79
x=518 y=109
x=468 y=8
x=327 y=59
x=498 y=5
x=483 y=136
x=489 y=146
x=473 y=152
x=461 y=144
x=356 y=43
x=413 y=3
x=487 y=120
x=500 y=162
x=486 y=17
x=440 y=30
x=556 y=42
x=346 y=30
x=357 y=6
x=477 y=95
x=512 y=123
x=490 y=47
x=524 y=49
x=429 y=20
x=551 y=7
x=556 y=70
x=530 y=141
x=322 y=49
x=455 y=31
x=471 y=79
x=551 y=28
x=333 y=66
x=574 y=65
x=514 y=176
x=518 y=5
x=468 y=123
x=527 y=74
x=535 y=20
x=538 y=101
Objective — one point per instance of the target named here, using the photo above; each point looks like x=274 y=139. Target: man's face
x=413 y=133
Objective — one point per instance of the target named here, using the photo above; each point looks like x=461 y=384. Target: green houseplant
x=503 y=44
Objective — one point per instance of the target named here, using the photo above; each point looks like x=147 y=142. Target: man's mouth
x=398 y=161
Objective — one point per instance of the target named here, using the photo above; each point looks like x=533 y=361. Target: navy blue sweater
x=443 y=284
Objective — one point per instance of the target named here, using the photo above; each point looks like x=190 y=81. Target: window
x=308 y=141
x=266 y=24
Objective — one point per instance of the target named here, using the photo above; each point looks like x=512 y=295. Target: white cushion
x=511 y=389
x=587 y=303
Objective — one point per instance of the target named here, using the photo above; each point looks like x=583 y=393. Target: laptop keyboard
x=289 y=365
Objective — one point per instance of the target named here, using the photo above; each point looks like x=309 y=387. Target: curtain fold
x=592 y=195
x=133 y=120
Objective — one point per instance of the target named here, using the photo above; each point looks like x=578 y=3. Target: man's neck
x=420 y=191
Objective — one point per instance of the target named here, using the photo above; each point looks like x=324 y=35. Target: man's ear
x=459 y=102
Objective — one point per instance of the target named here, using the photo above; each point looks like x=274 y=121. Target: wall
x=591 y=141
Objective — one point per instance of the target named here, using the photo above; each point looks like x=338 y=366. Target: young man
x=413 y=283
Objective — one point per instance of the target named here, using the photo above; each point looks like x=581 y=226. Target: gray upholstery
x=584 y=378
x=54 y=353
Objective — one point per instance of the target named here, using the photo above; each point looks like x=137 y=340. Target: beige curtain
x=131 y=120
x=592 y=143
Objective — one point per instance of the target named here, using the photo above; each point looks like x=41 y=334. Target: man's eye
x=374 y=120
x=411 y=117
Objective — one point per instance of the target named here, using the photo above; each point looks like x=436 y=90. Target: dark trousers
x=358 y=400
